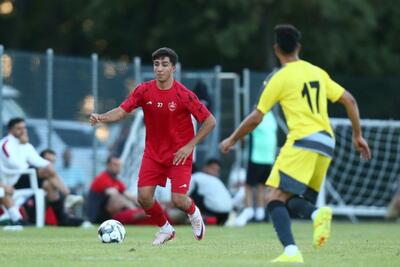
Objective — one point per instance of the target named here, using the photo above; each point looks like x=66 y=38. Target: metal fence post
x=217 y=72
x=178 y=72
x=246 y=91
x=1 y=89
x=246 y=111
x=49 y=86
x=137 y=70
x=95 y=66
x=237 y=107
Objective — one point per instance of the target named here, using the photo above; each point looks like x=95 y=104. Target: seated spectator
x=209 y=193
x=6 y=200
x=109 y=199
x=17 y=153
x=72 y=176
x=73 y=201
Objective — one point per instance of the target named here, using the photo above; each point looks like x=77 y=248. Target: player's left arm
x=336 y=93
x=184 y=152
x=350 y=104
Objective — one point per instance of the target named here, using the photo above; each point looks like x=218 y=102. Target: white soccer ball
x=111 y=231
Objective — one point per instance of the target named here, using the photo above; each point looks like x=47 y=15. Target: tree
x=352 y=36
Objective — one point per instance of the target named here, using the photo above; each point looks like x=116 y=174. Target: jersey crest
x=172 y=106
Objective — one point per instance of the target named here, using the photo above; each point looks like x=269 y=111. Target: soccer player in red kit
x=170 y=139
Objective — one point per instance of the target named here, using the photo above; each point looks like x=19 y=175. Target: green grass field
x=372 y=244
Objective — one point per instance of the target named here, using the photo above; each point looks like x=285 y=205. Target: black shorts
x=96 y=207
x=23 y=182
x=257 y=173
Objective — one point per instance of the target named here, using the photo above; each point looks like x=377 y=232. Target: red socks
x=134 y=216
x=191 y=209
x=156 y=214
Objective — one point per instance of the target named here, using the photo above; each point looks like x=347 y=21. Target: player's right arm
x=133 y=101
x=268 y=98
x=35 y=160
x=115 y=114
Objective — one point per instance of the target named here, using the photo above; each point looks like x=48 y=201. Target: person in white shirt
x=210 y=193
x=6 y=200
x=73 y=201
x=17 y=153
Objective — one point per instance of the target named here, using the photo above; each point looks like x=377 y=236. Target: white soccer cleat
x=246 y=215
x=162 y=238
x=198 y=226
x=259 y=214
x=13 y=228
x=73 y=201
x=86 y=225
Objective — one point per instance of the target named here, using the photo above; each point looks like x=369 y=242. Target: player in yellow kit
x=302 y=90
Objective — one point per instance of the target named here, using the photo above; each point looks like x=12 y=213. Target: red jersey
x=167 y=116
x=104 y=180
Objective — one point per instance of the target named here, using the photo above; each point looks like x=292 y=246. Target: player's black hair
x=111 y=157
x=287 y=37
x=11 y=123
x=47 y=151
x=213 y=161
x=165 y=52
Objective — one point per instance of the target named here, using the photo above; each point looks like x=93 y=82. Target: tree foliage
x=347 y=36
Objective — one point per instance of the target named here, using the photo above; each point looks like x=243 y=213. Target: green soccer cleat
x=284 y=258
x=322 y=227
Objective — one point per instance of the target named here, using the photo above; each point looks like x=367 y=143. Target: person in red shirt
x=108 y=198
x=170 y=139
x=108 y=180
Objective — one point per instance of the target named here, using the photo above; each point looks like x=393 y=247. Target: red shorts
x=153 y=173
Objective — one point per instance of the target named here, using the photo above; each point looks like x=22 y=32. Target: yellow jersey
x=302 y=90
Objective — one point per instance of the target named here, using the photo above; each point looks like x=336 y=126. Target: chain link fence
x=56 y=94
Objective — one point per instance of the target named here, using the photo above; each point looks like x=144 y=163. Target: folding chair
x=34 y=189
